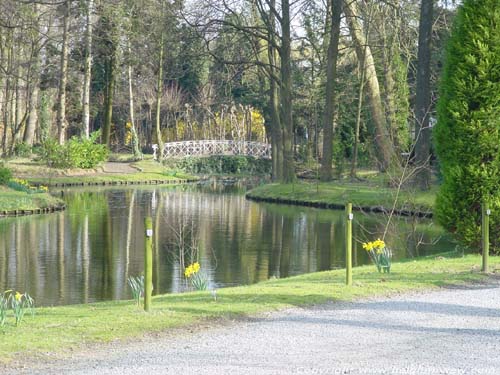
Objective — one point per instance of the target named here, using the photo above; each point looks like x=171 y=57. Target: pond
x=86 y=253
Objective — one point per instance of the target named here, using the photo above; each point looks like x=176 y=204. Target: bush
x=5 y=175
x=220 y=164
x=467 y=134
x=22 y=149
x=76 y=153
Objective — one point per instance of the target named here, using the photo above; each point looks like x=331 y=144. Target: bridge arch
x=216 y=147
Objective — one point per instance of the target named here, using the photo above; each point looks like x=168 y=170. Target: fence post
x=485 y=228
x=348 y=241
x=148 y=263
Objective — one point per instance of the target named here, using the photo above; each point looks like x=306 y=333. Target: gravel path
x=450 y=331
x=117 y=167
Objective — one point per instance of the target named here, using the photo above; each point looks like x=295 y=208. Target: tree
x=423 y=99
x=62 y=123
x=467 y=134
x=89 y=5
x=385 y=149
x=330 y=99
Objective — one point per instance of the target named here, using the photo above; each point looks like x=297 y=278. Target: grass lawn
x=369 y=194
x=11 y=200
x=62 y=329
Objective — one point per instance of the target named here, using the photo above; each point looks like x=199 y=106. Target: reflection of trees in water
x=88 y=252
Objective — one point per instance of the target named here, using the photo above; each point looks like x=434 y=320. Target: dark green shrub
x=76 y=153
x=220 y=164
x=5 y=175
x=467 y=135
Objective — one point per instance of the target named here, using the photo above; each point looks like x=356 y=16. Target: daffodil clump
x=18 y=302
x=197 y=278
x=23 y=185
x=192 y=270
x=379 y=254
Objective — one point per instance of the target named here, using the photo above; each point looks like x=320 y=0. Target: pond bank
x=364 y=197
x=19 y=203
x=64 y=329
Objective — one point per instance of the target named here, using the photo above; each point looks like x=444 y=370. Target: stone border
x=337 y=206
x=114 y=183
x=36 y=211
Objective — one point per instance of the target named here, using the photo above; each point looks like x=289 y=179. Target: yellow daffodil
x=18 y=296
x=192 y=269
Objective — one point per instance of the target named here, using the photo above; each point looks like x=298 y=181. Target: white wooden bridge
x=214 y=147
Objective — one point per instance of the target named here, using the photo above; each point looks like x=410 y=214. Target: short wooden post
x=148 y=263
x=348 y=241
x=485 y=227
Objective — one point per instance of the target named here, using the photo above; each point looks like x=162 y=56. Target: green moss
x=64 y=328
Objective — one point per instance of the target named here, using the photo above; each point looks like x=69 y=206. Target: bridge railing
x=214 y=147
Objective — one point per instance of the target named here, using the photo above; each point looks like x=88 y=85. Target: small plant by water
x=136 y=284
x=198 y=279
x=379 y=254
x=23 y=185
x=19 y=303
x=4 y=306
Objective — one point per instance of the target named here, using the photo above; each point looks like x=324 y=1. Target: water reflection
x=86 y=253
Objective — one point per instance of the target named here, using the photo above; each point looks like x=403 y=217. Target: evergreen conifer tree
x=467 y=135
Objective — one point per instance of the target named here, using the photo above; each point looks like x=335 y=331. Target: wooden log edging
x=338 y=206
x=115 y=183
x=36 y=211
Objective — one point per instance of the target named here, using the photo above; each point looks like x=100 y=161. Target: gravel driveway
x=450 y=331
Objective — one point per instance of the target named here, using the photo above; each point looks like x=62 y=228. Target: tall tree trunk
x=274 y=105
x=423 y=99
x=135 y=138
x=63 y=77
x=330 y=100
x=385 y=149
x=108 y=101
x=286 y=94
x=33 y=79
x=88 y=69
x=159 y=91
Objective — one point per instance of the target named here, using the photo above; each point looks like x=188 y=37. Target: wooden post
x=348 y=241
x=148 y=263
x=485 y=227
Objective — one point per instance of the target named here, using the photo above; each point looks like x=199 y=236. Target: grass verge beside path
x=62 y=329
x=337 y=194
x=11 y=200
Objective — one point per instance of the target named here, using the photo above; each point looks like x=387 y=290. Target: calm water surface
x=87 y=252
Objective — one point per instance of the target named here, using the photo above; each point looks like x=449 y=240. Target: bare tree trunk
x=331 y=98
x=286 y=94
x=88 y=69
x=33 y=79
x=423 y=99
x=159 y=90
x=385 y=149
x=108 y=101
x=63 y=77
x=135 y=138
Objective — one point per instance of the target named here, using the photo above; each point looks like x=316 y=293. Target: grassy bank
x=62 y=329
x=11 y=200
x=140 y=171
x=363 y=195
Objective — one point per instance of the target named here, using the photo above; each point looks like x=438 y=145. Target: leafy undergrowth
x=62 y=329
